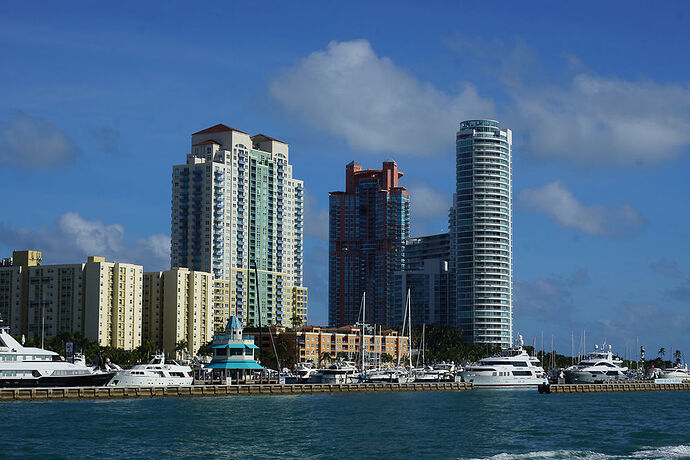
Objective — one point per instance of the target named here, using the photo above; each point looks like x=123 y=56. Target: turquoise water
x=472 y=424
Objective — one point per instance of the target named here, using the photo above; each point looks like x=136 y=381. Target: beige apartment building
x=99 y=299
x=112 y=299
x=178 y=306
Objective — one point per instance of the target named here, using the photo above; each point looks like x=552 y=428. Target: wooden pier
x=43 y=394
x=612 y=387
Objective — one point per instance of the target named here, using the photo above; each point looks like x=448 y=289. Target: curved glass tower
x=481 y=226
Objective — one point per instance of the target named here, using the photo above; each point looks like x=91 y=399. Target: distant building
x=178 y=307
x=310 y=343
x=430 y=281
x=236 y=204
x=481 y=233
x=368 y=224
x=99 y=299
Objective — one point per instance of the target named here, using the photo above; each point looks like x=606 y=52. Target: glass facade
x=481 y=232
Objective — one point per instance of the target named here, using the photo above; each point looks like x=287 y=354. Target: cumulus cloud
x=580 y=115
x=428 y=202
x=558 y=203
x=376 y=106
x=29 y=142
x=596 y=120
x=550 y=296
x=72 y=238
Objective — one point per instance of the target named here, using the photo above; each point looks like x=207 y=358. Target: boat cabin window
x=522 y=373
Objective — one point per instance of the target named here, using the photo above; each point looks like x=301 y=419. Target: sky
x=97 y=102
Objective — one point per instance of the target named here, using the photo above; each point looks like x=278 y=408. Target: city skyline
x=600 y=149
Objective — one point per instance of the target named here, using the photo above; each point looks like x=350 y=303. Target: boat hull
x=575 y=377
x=91 y=380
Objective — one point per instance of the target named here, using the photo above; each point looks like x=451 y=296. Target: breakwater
x=612 y=387
x=38 y=394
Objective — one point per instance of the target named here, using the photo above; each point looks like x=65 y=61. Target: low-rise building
x=317 y=344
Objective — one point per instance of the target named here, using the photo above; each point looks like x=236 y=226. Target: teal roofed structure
x=233 y=355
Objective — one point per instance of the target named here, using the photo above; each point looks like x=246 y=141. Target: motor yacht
x=387 y=375
x=513 y=368
x=598 y=367
x=338 y=372
x=156 y=373
x=675 y=372
x=22 y=367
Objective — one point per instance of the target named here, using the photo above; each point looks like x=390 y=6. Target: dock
x=612 y=387
x=47 y=394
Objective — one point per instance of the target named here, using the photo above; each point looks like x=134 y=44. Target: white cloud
x=559 y=204
x=427 y=202
x=598 y=120
x=349 y=91
x=30 y=142
x=72 y=238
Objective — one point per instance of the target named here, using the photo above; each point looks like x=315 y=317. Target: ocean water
x=456 y=425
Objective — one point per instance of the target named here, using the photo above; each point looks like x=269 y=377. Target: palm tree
x=662 y=352
x=181 y=346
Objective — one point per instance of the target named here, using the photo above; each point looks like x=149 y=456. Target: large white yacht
x=22 y=367
x=157 y=373
x=675 y=372
x=513 y=368
x=598 y=367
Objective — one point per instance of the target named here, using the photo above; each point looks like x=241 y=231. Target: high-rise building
x=481 y=232
x=112 y=303
x=178 y=307
x=235 y=205
x=368 y=225
x=429 y=280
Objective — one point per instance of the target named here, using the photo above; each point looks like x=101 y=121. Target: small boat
x=23 y=367
x=598 y=367
x=156 y=373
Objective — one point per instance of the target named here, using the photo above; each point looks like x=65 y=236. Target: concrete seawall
x=43 y=394
x=613 y=387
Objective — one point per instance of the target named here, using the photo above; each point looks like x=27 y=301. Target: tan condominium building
x=178 y=307
x=112 y=300
x=318 y=345
x=99 y=299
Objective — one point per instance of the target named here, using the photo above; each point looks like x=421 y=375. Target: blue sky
x=97 y=103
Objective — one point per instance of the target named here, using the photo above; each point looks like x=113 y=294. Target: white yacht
x=339 y=372
x=675 y=372
x=513 y=368
x=598 y=367
x=22 y=367
x=157 y=373
x=387 y=375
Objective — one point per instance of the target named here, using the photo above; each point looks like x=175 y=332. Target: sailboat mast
x=402 y=331
x=364 y=315
x=409 y=326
